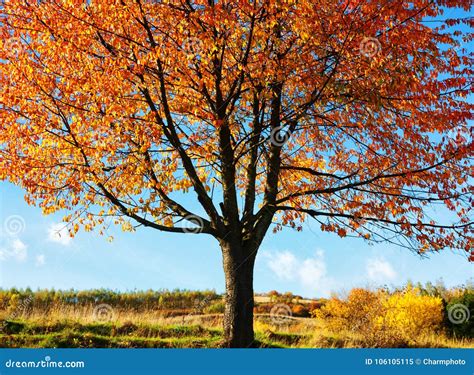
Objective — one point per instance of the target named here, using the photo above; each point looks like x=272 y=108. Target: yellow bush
x=14 y=303
x=411 y=314
x=382 y=319
x=355 y=314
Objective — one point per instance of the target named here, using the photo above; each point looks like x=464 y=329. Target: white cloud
x=40 y=260
x=284 y=264
x=58 y=233
x=19 y=249
x=310 y=273
x=14 y=249
x=378 y=269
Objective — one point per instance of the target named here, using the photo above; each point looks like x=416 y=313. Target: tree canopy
x=352 y=113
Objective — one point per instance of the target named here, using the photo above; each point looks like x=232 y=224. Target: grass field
x=173 y=322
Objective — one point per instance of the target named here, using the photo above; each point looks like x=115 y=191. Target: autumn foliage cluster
x=400 y=318
x=107 y=108
x=237 y=117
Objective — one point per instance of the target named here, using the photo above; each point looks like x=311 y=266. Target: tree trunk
x=239 y=303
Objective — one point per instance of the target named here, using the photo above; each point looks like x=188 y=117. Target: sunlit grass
x=173 y=324
x=201 y=333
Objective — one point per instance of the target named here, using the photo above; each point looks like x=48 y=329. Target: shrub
x=263 y=308
x=300 y=311
x=316 y=305
x=382 y=319
x=354 y=314
x=410 y=314
x=140 y=300
x=215 y=308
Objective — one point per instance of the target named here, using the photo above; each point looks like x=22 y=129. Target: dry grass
x=65 y=326
x=79 y=325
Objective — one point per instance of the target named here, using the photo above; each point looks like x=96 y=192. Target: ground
x=138 y=322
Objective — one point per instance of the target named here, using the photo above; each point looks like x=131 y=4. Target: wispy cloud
x=40 y=260
x=380 y=270
x=59 y=234
x=310 y=273
x=283 y=264
x=14 y=249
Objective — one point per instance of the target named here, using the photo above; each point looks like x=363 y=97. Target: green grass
x=80 y=334
x=179 y=319
x=70 y=334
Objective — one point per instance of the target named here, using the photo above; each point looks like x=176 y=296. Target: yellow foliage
x=384 y=319
x=411 y=314
x=352 y=314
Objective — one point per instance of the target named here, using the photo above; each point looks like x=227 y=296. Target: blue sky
x=311 y=263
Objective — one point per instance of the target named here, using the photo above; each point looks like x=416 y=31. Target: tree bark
x=239 y=298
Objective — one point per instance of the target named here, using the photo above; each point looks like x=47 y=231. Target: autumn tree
x=352 y=113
